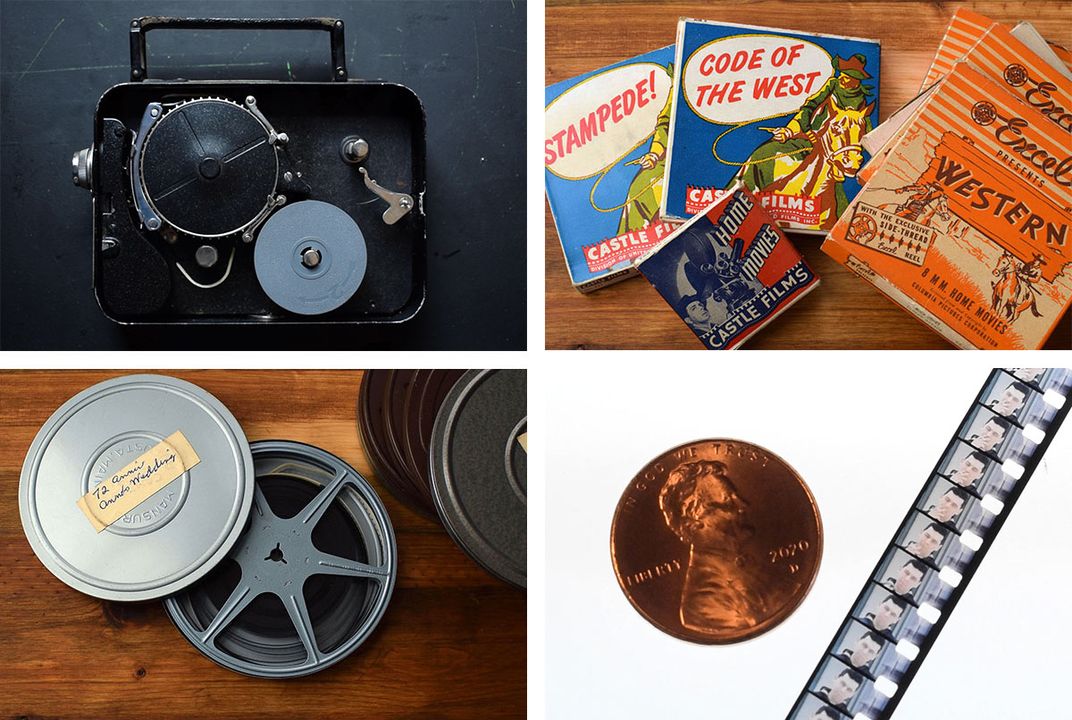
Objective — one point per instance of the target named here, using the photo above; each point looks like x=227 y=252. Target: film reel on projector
x=451 y=445
x=275 y=559
x=310 y=257
x=209 y=168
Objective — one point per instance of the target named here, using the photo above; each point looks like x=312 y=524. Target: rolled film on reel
x=451 y=445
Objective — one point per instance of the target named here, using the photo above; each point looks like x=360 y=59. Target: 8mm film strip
x=895 y=620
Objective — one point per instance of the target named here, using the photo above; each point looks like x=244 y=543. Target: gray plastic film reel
x=310 y=257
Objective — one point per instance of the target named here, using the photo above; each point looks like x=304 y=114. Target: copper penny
x=716 y=541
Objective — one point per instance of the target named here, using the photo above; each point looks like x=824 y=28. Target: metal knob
x=206 y=256
x=310 y=258
x=82 y=168
x=354 y=149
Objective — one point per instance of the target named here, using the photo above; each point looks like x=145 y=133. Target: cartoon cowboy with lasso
x=823 y=134
x=641 y=207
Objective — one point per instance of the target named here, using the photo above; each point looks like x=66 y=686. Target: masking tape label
x=121 y=492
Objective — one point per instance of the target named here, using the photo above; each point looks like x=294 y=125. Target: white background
x=864 y=430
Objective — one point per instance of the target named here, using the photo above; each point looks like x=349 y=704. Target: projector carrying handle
x=140 y=26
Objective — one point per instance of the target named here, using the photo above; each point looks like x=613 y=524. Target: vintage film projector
x=917 y=583
x=253 y=201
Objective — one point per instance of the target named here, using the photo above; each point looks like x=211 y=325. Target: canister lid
x=174 y=536
x=478 y=464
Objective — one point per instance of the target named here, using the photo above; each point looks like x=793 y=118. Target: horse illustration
x=1013 y=292
x=925 y=201
x=812 y=164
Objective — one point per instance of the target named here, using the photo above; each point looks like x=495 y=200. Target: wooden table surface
x=844 y=311
x=451 y=645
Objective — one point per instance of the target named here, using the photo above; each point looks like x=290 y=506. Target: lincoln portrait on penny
x=723 y=589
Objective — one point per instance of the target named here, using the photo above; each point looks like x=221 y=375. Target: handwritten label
x=124 y=490
x=523 y=441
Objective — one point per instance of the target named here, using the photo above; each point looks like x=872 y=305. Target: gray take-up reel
x=310 y=257
x=216 y=172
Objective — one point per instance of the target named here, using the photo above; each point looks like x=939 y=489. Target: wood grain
x=844 y=311
x=452 y=644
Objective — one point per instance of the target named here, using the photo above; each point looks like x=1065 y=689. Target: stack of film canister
x=273 y=558
x=450 y=444
x=940 y=545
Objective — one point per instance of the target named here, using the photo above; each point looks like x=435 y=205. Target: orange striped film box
x=966 y=223
x=999 y=54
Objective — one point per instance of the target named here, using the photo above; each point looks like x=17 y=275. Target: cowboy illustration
x=641 y=207
x=1014 y=291
x=820 y=145
x=847 y=88
x=926 y=201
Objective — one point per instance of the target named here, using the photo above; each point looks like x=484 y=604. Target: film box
x=1010 y=57
x=781 y=112
x=728 y=271
x=965 y=223
x=605 y=139
x=967 y=27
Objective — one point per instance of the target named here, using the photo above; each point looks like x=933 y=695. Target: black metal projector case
x=136 y=274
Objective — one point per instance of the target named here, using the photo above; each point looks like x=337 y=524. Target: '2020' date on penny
x=716 y=541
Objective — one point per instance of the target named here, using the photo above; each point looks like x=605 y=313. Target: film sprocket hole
x=254 y=201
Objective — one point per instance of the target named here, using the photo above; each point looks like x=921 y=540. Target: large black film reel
x=208 y=167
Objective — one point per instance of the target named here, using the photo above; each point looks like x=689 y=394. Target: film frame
x=1011 y=430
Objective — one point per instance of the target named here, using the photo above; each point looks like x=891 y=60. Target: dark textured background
x=466 y=61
